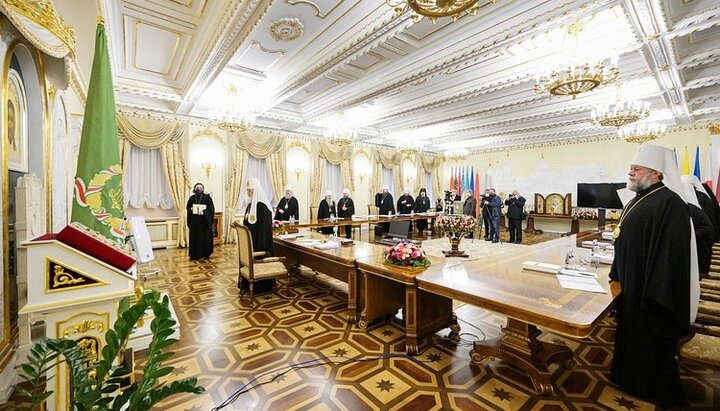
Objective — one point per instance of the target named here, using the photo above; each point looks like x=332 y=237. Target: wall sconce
x=362 y=176
x=208 y=166
x=298 y=173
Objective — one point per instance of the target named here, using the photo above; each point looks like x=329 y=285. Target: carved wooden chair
x=251 y=267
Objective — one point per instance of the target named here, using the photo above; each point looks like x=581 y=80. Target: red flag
x=459 y=182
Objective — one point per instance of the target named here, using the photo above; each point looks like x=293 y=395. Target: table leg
x=519 y=346
x=352 y=296
x=387 y=297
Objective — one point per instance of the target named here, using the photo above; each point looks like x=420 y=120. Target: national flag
x=696 y=170
x=99 y=201
x=458 y=189
x=472 y=181
x=686 y=163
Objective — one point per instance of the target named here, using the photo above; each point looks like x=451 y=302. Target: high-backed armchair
x=253 y=269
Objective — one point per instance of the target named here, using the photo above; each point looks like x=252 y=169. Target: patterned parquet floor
x=295 y=351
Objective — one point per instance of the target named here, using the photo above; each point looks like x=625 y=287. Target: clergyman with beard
x=654 y=267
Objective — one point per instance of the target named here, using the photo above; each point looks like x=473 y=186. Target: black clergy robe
x=704 y=238
x=422 y=205
x=325 y=211
x=346 y=209
x=386 y=207
x=378 y=198
x=706 y=204
x=716 y=207
x=652 y=264
x=261 y=230
x=200 y=225
x=287 y=208
x=405 y=204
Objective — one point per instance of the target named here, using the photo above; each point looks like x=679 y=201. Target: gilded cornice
x=76 y=79
x=42 y=13
x=147 y=92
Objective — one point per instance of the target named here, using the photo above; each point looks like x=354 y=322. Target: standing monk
x=288 y=207
x=422 y=205
x=385 y=206
x=654 y=258
x=200 y=214
x=346 y=209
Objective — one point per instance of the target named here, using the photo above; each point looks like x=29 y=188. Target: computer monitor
x=399 y=229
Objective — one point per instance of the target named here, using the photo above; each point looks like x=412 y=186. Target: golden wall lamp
x=208 y=166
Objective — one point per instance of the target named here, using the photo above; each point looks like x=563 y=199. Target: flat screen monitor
x=599 y=195
x=399 y=229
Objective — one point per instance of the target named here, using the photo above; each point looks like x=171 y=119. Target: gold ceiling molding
x=286 y=29
x=39 y=23
x=714 y=129
x=318 y=12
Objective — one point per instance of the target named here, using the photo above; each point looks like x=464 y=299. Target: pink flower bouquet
x=277 y=225
x=407 y=255
x=455 y=224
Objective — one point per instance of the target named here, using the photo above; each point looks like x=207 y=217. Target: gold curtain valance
x=150 y=134
x=388 y=159
x=259 y=144
x=429 y=163
x=41 y=25
x=333 y=153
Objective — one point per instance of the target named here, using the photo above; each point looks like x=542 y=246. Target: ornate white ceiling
x=452 y=84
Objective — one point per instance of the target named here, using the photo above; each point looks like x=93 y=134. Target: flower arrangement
x=277 y=225
x=407 y=255
x=455 y=224
x=586 y=214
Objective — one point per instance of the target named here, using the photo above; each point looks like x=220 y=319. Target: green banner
x=99 y=201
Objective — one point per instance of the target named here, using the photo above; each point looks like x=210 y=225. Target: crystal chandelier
x=642 y=132
x=340 y=135
x=434 y=9
x=623 y=113
x=573 y=79
x=232 y=121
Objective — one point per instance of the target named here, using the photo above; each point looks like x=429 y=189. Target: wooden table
x=389 y=288
x=530 y=300
x=338 y=263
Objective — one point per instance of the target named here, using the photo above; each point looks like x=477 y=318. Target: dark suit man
x=516 y=205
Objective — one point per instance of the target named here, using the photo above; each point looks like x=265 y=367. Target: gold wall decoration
x=286 y=29
x=208 y=132
x=59 y=277
x=42 y=13
x=297 y=144
x=714 y=129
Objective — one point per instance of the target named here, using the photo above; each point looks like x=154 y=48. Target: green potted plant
x=96 y=385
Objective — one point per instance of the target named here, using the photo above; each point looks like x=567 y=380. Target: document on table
x=328 y=246
x=290 y=236
x=580 y=282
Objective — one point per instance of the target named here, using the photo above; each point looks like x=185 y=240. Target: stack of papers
x=328 y=246
x=575 y=273
x=580 y=282
x=603 y=258
x=290 y=236
x=607 y=235
x=542 y=267
x=604 y=245
x=310 y=242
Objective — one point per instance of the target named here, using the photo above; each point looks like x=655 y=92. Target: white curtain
x=333 y=180
x=145 y=182
x=256 y=168
x=429 y=187
x=388 y=177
